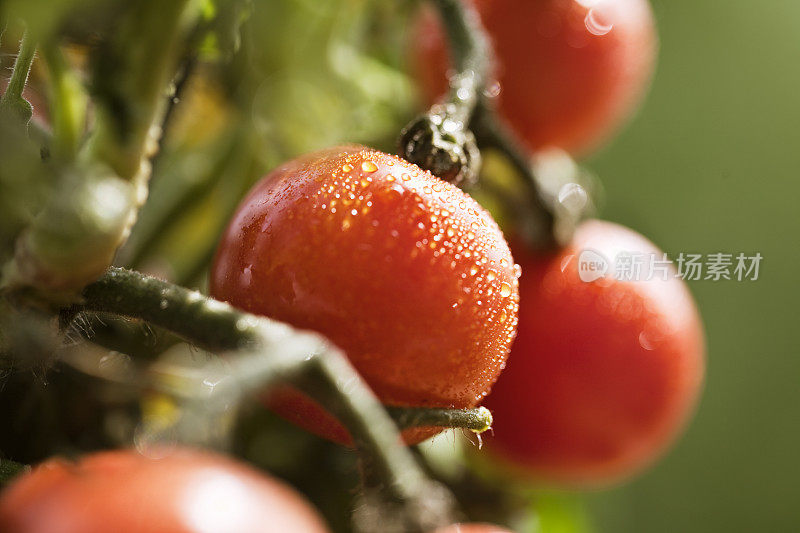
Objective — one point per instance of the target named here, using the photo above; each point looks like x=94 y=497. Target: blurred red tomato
x=604 y=373
x=186 y=491
x=570 y=71
x=403 y=271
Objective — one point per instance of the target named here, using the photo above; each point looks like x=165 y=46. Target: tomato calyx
x=440 y=139
x=438 y=143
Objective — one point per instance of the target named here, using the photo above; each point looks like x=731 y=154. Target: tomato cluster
x=415 y=282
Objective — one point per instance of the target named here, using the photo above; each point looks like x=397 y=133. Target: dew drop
x=369 y=166
x=645 y=342
x=573 y=197
x=347 y=167
x=491 y=275
x=595 y=25
x=505 y=290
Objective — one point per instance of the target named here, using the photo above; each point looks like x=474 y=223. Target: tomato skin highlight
x=603 y=375
x=182 y=491
x=569 y=74
x=403 y=271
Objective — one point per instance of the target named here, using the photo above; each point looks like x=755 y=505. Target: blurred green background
x=710 y=164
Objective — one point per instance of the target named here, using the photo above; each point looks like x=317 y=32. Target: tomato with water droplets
x=604 y=372
x=403 y=271
x=176 y=490
x=569 y=71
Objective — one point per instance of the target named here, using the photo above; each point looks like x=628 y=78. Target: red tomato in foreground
x=403 y=271
x=472 y=528
x=570 y=71
x=603 y=374
x=186 y=491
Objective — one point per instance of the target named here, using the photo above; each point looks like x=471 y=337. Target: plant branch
x=74 y=238
x=268 y=351
x=440 y=140
x=12 y=100
x=478 y=419
x=132 y=85
x=537 y=218
x=546 y=218
x=69 y=103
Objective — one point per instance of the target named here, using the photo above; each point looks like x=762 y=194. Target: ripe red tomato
x=403 y=271
x=604 y=373
x=186 y=491
x=570 y=71
x=472 y=528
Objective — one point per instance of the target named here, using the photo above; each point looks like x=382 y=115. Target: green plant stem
x=132 y=85
x=12 y=99
x=69 y=104
x=477 y=420
x=471 y=56
x=74 y=238
x=537 y=218
x=268 y=351
x=440 y=140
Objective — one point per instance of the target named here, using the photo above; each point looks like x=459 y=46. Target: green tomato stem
x=477 y=420
x=12 y=99
x=536 y=218
x=267 y=352
x=69 y=104
x=471 y=56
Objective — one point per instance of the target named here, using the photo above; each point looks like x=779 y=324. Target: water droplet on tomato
x=505 y=290
x=595 y=24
